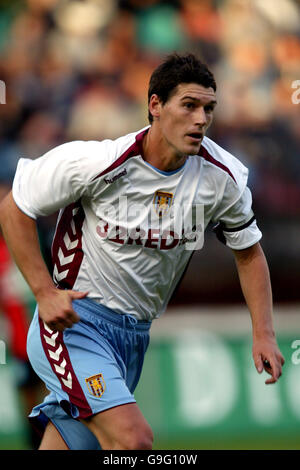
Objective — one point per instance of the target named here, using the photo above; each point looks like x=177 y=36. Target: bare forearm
x=256 y=286
x=21 y=236
x=20 y=233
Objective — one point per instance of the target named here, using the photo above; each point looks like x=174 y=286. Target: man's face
x=185 y=117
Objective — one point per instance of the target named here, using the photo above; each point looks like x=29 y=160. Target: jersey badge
x=96 y=385
x=162 y=202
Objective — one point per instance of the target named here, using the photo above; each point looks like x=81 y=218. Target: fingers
x=78 y=295
x=259 y=364
x=272 y=365
x=65 y=315
x=274 y=368
x=56 y=308
x=271 y=381
x=275 y=376
x=56 y=326
x=63 y=321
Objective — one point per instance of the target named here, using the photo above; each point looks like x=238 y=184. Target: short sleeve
x=44 y=185
x=58 y=178
x=236 y=223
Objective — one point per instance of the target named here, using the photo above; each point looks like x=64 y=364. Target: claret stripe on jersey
x=208 y=157
x=67 y=251
x=135 y=149
x=59 y=359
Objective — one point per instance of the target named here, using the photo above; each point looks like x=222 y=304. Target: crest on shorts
x=162 y=202
x=96 y=385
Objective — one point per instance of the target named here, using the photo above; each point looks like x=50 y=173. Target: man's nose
x=201 y=118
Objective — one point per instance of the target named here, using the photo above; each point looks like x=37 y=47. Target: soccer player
x=121 y=245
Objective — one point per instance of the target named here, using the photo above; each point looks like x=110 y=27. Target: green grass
x=13 y=445
x=284 y=443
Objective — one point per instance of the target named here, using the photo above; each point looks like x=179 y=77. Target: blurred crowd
x=80 y=69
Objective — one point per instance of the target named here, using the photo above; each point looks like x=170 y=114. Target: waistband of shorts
x=122 y=320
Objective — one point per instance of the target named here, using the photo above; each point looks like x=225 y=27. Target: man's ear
x=155 y=106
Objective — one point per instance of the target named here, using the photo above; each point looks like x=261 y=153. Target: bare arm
x=20 y=233
x=256 y=286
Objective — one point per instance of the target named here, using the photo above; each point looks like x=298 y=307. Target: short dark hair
x=177 y=69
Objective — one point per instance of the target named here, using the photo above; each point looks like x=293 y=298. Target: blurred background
x=79 y=70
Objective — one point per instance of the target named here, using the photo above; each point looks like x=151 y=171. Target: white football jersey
x=127 y=230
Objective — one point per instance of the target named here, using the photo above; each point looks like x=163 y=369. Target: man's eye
x=189 y=105
x=209 y=109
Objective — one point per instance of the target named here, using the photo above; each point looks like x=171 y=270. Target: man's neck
x=159 y=154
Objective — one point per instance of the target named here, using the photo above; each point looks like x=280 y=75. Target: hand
x=268 y=357
x=55 y=308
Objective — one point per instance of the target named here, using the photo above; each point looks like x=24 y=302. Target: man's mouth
x=195 y=136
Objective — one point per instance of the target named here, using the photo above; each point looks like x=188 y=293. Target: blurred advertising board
x=12 y=420
x=200 y=387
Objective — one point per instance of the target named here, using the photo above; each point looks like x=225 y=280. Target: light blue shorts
x=89 y=368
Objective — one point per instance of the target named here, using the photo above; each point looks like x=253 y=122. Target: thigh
x=121 y=427
x=79 y=367
x=88 y=380
x=52 y=439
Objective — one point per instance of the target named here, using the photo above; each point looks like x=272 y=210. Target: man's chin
x=194 y=149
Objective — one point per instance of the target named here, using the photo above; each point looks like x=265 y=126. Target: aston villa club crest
x=162 y=202
x=96 y=385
